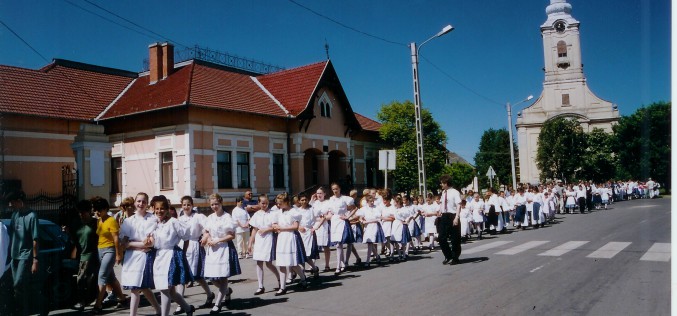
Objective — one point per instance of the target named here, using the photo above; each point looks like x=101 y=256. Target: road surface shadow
x=473 y=260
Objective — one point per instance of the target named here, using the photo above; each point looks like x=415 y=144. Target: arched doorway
x=337 y=167
x=310 y=167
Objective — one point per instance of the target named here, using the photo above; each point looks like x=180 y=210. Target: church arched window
x=325 y=105
x=561 y=49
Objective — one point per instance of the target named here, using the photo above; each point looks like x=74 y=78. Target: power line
x=460 y=83
x=347 y=26
x=26 y=43
x=109 y=20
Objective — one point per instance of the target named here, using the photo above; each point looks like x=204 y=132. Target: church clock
x=560 y=26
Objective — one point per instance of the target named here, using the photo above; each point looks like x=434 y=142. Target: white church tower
x=565 y=90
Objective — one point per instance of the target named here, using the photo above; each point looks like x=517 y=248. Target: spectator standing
x=87 y=251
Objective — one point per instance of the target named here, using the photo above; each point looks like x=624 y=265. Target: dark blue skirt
x=348 y=237
x=314 y=250
x=273 y=248
x=179 y=270
x=417 y=230
x=200 y=273
x=380 y=236
x=521 y=211
x=300 y=248
x=234 y=260
x=359 y=232
x=147 y=282
x=421 y=222
x=406 y=237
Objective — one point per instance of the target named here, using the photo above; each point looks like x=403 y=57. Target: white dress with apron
x=322 y=232
x=477 y=209
x=136 y=228
x=217 y=258
x=308 y=220
x=372 y=230
x=263 y=244
x=287 y=250
x=196 y=223
x=339 y=207
x=387 y=211
x=166 y=238
x=431 y=212
x=401 y=214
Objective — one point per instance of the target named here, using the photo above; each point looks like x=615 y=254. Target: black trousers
x=581 y=204
x=447 y=231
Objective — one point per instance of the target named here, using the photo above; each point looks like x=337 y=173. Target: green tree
x=599 y=163
x=561 y=145
x=461 y=174
x=398 y=131
x=494 y=151
x=643 y=143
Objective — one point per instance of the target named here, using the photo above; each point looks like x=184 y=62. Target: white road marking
x=536 y=269
x=562 y=249
x=657 y=252
x=484 y=247
x=609 y=250
x=523 y=247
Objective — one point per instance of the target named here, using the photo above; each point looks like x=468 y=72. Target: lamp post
x=417 y=108
x=512 y=151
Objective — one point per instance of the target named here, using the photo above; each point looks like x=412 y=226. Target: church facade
x=565 y=89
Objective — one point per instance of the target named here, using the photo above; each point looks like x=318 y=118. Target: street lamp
x=512 y=151
x=417 y=108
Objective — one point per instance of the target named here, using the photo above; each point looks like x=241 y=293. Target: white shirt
x=240 y=217
x=450 y=200
x=196 y=222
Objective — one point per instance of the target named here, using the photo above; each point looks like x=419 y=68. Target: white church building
x=565 y=89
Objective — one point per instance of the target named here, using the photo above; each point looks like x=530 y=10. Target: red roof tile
x=367 y=123
x=294 y=87
x=196 y=84
x=62 y=89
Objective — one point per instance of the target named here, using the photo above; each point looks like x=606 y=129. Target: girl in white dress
x=170 y=267
x=356 y=228
x=195 y=252
x=476 y=207
x=373 y=233
x=571 y=200
x=321 y=206
x=387 y=218
x=340 y=207
x=137 y=265
x=262 y=240
x=400 y=236
x=430 y=212
x=465 y=220
x=290 y=253
x=307 y=227
x=221 y=260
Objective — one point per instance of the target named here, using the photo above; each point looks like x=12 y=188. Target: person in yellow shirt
x=107 y=229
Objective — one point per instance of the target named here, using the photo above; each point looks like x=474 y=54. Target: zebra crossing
x=658 y=252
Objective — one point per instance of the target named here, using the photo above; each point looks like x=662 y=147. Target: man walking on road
x=449 y=226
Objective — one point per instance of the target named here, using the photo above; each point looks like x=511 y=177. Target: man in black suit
x=449 y=226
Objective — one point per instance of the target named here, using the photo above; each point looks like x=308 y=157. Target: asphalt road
x=608 y=262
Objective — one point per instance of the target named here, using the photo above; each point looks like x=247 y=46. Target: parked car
x=55 y=285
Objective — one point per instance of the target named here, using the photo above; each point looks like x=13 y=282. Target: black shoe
x=215 y=310
x=226 y=301
x=79 y=307
x=455 y=262
x=304 y=285
x=316 y=272
x=446 y=261
x=281 y=292
x=96 y=311
x=190 y=311
x=260 y=291
x=358 y=262
x=179 y=311
x=209 y=302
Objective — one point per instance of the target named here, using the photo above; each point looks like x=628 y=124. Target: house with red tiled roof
x=186 y=128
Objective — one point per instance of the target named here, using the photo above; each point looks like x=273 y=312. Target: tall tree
x=461 y=174
x=643 y=143
x=398 y=131
x=561 y=145
x=599 y=160
x=494 y=151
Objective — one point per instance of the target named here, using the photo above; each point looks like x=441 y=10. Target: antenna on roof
x=326 y=48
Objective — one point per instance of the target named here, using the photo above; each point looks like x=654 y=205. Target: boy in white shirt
x=241 y=218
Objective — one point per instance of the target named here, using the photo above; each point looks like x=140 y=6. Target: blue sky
x=493 y=56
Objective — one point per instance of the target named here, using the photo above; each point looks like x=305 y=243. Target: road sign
x=491 y=173
x=386 y=159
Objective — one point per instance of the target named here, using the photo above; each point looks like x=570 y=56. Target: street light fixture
x=417 y=108
x=512 y=151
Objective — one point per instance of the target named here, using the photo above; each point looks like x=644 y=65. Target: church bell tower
x=565 y=89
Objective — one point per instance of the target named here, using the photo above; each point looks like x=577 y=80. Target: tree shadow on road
x=473 y=260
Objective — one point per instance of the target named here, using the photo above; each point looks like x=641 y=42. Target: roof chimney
x=154 y=61
x=167 y=59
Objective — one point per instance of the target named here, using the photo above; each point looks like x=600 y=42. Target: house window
x=278 y=170
x=224 y=170
x=561 y=49
x=325 y=109
x=166 y=170
x=116 y=175
x=565 y=99
x=243 y=169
